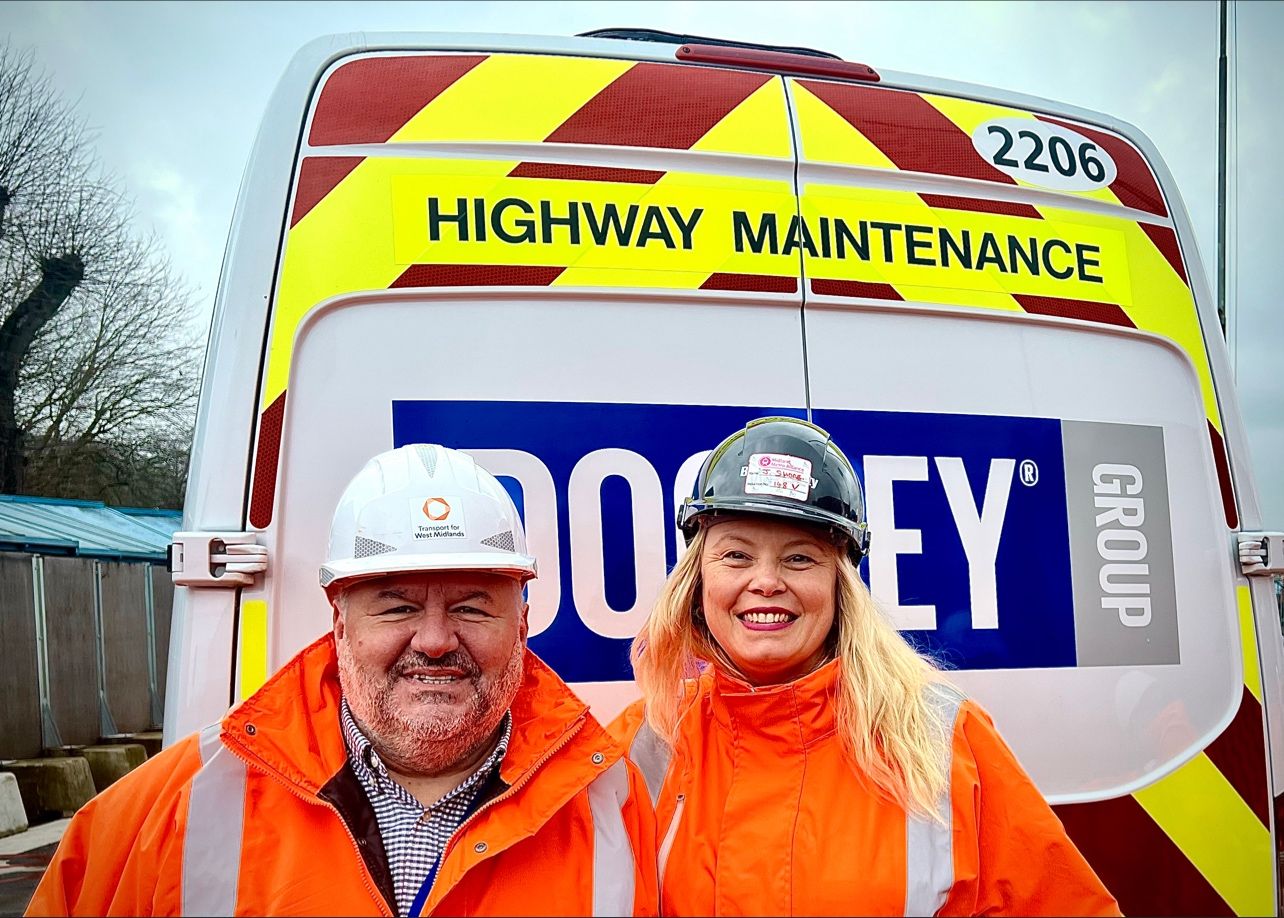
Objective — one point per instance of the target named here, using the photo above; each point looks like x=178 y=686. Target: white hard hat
x=425 y=507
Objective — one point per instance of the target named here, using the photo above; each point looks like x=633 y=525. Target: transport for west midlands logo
x=436 y=509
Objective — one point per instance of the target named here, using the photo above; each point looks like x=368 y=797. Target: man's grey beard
x=435 y=739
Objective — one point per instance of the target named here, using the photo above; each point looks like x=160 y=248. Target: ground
x=23 y=859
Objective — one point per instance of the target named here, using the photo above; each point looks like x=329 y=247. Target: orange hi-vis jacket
x=262 y=815
x=759 y=812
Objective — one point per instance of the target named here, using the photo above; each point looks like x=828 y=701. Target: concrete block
x=150 y=740
x=13 y=816
x=61 y=785
x=109 y=764
x=62 y=752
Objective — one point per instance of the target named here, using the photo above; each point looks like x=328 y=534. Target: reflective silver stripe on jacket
x=613 y=865
x=212 y=845
x=929 y=848
x=651 y=755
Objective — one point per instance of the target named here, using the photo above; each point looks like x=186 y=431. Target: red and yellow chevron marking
x=1144 y=280
x=1196 y=842
x=455 y=221
x=921 y=132
x=533 y=98
x=344 y=236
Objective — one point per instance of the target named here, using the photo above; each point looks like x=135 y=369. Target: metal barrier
x=20 y=676
x=83 y=650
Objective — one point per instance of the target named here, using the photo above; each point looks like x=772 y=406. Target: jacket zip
x=244 y=755
x=667 y=844
x=513 y=789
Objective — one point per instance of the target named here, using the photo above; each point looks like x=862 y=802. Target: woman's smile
x=767 y=618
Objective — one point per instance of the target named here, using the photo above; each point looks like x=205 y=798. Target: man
x=416 y=760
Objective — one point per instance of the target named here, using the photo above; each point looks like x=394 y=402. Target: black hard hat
x=782 y=467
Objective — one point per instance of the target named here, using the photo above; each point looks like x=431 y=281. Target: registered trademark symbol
x=1029 y=473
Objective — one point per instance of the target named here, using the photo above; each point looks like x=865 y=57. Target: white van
x=586 y=260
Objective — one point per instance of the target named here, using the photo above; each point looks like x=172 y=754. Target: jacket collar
x=799 y=713
x=291 y=726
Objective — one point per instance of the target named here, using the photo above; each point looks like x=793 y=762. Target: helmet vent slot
x=428 y=456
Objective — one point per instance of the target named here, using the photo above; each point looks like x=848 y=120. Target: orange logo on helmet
x=436 y=509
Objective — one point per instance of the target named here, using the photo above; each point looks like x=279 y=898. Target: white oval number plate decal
x=1044 y=154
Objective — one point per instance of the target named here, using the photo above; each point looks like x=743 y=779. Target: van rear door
x=530 y=257
x=999 y=317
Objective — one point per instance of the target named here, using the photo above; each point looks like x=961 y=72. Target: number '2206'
x=1041 y=153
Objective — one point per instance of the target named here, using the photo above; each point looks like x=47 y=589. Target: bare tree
x=94 y=364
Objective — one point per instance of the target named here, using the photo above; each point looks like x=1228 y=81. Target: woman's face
x=768 y=595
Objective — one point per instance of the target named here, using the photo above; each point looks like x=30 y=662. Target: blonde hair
x=886 y=722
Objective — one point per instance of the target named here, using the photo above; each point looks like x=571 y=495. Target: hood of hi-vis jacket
x=759 y=811
x=530 y=849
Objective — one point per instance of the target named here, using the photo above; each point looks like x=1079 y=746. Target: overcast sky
x=176 y=91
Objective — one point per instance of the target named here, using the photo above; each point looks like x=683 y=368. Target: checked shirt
x=414 y=836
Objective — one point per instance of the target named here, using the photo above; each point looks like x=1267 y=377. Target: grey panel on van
x=1121 y=550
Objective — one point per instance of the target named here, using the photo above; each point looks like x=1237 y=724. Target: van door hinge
x=1261 y=554
x=215 y=559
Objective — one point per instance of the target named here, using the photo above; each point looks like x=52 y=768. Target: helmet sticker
x=434 y=519
x=778 y=475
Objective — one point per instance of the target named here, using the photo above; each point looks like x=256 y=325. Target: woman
x=803 y=757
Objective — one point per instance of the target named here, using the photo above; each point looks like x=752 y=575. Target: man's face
x=429 y=663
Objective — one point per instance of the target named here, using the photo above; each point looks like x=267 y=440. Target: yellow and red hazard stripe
x=1203 y=831
x=334 y=245
x=587 y=103
x=904 y=131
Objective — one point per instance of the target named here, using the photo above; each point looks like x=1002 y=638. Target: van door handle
x=1261 y=554
x=215 y=559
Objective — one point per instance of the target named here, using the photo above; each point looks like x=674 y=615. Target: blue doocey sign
x=971 y=532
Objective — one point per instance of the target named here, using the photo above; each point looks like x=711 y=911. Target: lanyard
x=425 y=888
x=421 y=897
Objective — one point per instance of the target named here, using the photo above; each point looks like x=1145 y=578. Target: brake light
x=777 y=61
